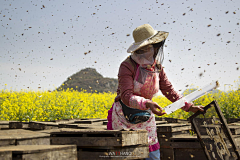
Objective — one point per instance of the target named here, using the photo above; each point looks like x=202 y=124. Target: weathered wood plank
x=187 y=138
x=7 y=142
x=90 y=121
x=48 y=130
x=173 y=134
x=39 y=152
x=160 y=122
x=43 y=125
x=33 y=141
x=131 y=152
x=99 y=137
x=172 y=127
x=4 y=125
x=84 y=126
x=21 y=136
x=174 y=120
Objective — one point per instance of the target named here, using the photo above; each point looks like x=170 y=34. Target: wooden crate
x=39 y=152
x=99 y=138
x=23 y=137
x=182 y=147
x=187 y=147
x=166 y=131
x=97 y=143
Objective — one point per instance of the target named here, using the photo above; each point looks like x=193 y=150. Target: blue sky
x=42 y=43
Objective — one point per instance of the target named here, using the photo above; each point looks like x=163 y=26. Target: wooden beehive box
x=186 y=147
x=104 y=144
x=165 y=132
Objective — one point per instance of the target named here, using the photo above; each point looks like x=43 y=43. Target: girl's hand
x=194 y=109
x=154 y=108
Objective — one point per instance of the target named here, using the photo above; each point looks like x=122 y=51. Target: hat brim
x=158 y=37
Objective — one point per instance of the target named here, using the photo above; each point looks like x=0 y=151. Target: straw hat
x=144 y=35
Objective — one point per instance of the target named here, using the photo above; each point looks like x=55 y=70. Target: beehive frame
x=213 y=133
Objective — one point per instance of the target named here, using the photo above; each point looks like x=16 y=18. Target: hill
x=90 y=80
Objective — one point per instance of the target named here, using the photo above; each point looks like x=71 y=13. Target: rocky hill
x=90 y=80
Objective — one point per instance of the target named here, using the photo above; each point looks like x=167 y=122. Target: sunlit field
x=70 y=104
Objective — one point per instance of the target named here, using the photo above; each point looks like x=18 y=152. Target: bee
x=209 y=25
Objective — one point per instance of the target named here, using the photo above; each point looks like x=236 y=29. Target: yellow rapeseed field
x=70 y=104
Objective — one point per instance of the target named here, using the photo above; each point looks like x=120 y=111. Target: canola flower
x=70 y=104
x=49 y=106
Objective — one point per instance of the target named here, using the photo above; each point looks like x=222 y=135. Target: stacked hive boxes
x=104 y=144
x=176 y=142
x=24 y=144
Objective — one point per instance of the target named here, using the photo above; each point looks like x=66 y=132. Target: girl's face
x=145 y=49
x=144 y=55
